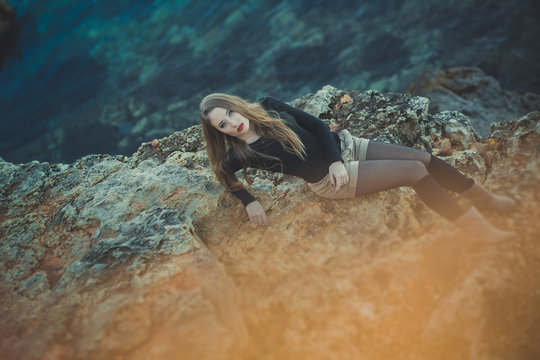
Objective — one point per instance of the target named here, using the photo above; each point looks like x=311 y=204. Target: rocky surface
x=470 y=91
x=147 y=257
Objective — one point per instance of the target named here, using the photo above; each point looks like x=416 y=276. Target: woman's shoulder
x=270 y=103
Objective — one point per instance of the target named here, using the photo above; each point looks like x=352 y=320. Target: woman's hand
x=338 y=175
x=256 y=213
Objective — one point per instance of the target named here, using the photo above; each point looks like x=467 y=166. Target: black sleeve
x=232 y=164
x=308 y=122
x=245 y=197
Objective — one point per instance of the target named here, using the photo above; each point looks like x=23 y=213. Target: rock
x=147 y=257
x=385 y=117
x=457 y=128
x=124 y=262
x=517 y=156
x=475 y=94
x=317 y=104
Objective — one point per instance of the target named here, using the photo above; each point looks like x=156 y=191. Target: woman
x=274 y=136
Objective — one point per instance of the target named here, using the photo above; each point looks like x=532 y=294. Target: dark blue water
x=103 y=76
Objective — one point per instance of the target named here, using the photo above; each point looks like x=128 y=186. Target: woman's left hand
x=338 y=175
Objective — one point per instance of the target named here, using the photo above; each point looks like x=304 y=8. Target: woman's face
x=229 y=122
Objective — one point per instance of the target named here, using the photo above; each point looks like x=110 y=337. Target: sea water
x=103 y=76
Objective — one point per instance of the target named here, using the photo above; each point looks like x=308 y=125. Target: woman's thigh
x=380 y=175
x=378 y=150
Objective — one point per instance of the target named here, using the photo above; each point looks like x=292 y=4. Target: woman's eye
x=229 y=112
x=222 y=124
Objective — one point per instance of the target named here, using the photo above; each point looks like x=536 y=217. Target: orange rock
x=493 y=143
x=488 y=157
x=480 y=147
x=346 y=99
x=445 y=146
x=154 y=143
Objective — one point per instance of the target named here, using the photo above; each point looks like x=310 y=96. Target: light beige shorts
x=353 y=150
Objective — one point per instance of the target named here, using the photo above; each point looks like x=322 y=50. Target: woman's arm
x=310 y=123
x=254 y=209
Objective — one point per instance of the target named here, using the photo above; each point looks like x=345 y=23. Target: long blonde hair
x=218 y=143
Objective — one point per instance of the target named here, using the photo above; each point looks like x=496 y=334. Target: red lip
x=240 y=127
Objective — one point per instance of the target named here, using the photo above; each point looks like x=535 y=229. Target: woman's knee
x=425 y=157
x=418 y=171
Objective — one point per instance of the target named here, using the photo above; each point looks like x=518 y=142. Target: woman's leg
x=446 y=175
x=379 y=175
x=378 y=150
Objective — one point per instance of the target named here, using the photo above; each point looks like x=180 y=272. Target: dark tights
x=388 y=166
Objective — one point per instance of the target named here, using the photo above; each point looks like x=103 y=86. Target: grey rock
x=143 y=256
x=477 y=95
x=458 y=128
x=35 y=285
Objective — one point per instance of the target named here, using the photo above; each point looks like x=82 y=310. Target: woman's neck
x=250 y=137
